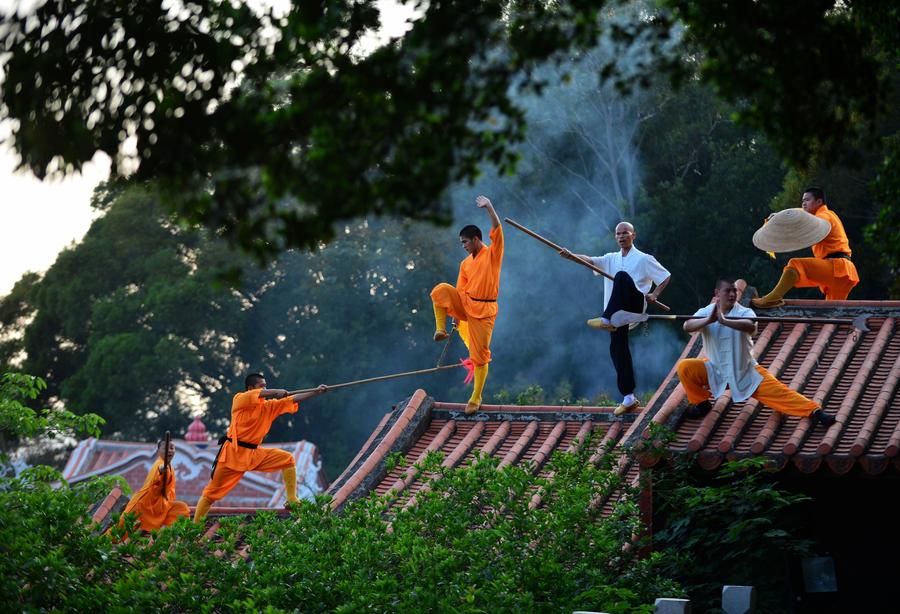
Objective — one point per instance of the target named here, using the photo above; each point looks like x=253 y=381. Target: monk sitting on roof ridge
x=474 y=299
x=830 y=269
x=730 y=363
x=252 y=414
x=154 y=509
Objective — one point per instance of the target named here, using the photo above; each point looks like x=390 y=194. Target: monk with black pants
x=624 y=297
x=625 y=300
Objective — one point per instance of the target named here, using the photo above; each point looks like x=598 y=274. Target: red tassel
x=470 y=370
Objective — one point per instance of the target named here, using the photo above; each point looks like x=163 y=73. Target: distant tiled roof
x=853 y=375
x=514 y=434
x=192 y=464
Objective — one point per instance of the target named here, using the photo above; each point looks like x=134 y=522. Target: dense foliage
x=20 y=424
x=734 y=527
x=270 y=126
x=471 y=544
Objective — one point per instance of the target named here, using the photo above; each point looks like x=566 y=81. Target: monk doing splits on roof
x=473 y=302
x=730 y=363
x=155 y=509
x=252 y=414
x=831 y=269
x=625 y=299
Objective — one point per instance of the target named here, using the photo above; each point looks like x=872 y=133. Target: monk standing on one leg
x=474 y=299
x=830 y=270
x=252 y=414
x=153 y=509
x=625 y=299
x=730 y=363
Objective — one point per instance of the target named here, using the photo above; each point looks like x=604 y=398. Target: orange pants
x=475 y=332
x=227 y=478
x=820 y=273
x=771 y=392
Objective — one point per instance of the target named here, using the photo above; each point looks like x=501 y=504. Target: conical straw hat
x=790 y=230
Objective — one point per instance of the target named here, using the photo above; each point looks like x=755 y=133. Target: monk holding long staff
x=154 y=507
x=252 y=414
x=625 y=299
x=473 y=302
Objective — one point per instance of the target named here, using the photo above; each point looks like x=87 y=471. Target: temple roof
x=514 y=434
x=192 y=463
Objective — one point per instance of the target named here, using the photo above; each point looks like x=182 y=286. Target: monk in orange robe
x=153 y=509
x=473 y=302
x=830 y=270
x=252 y=414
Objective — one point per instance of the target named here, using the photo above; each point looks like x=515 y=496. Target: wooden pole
x=165 y=477
x=858 y=322
x=380 y=378
x=581 y=261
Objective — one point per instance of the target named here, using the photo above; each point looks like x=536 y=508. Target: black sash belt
x=222 y=440
x=834 y=255
x=484 y=300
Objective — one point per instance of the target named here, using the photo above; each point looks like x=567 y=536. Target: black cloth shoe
x=820 y=417
x=699 y=410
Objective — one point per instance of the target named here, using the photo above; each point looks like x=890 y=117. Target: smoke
x=578 y=177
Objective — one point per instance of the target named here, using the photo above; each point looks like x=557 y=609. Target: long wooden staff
x=859 y=322
x=380 y=379
x=581 y=261
x=165 y=479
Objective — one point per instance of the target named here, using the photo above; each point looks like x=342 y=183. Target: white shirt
x=730 y=352
x=643 y=268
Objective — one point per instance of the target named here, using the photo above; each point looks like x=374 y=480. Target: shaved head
x=625 y=236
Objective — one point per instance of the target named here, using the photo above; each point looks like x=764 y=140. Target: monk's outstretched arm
x=320 y=389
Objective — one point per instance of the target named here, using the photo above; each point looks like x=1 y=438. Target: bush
x=470 y=544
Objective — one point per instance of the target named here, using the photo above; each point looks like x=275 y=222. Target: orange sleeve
x=497 y=245
x=276 y=407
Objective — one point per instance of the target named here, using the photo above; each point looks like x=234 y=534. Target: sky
x=40 y=219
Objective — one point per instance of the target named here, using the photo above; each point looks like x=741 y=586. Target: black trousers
x=624 y=297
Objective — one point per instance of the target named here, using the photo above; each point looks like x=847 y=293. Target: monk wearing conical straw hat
x=830 y=269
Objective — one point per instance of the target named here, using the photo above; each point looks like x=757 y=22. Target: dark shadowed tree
x=271 y=127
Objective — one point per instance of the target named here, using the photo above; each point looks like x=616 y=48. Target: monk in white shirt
x=625 y=299
x=730 y=363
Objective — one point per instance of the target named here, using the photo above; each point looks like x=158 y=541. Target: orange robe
x=835 y=277
x=152 y=509
x=479 y=278
x=251 y=419
x=771 y=392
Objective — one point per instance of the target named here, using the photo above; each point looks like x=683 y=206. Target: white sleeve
x=654 y=270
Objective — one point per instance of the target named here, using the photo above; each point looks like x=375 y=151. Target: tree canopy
x=269 y=127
